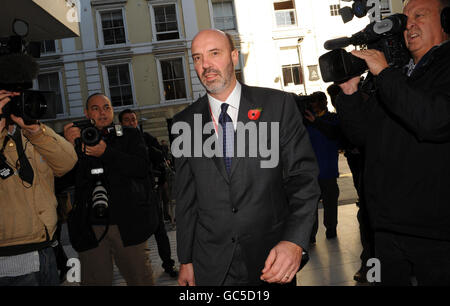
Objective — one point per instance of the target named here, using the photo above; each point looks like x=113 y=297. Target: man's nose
x=409 y=23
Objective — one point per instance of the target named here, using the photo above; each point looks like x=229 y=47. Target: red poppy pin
x=254 y=114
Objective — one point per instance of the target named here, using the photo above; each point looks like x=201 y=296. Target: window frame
x=153 y=20
x=213 y=24
x=106 y=83
x=161 y=81
x=101 y=40
x=294 y=10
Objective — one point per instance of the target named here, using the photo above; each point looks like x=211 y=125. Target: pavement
x=333 y=262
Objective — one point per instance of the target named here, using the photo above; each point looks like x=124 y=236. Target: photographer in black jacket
x=122 y=232
x=128 y=118
x=405 y=130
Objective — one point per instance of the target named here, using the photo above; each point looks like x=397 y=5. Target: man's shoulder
x=190 y=110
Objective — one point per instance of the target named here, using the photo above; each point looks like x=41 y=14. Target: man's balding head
x=215 y=57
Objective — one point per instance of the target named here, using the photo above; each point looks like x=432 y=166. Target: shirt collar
x=233 y=100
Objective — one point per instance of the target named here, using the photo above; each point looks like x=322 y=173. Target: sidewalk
x=332 y=262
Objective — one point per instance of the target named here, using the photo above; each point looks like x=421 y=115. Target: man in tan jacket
x=30 y=157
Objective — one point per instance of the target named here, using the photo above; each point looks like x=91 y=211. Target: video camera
x=17 y=70
x=386 y=36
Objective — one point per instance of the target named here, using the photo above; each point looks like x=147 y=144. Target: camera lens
x=90 y=136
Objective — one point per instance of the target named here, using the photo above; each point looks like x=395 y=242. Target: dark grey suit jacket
x=252 y=206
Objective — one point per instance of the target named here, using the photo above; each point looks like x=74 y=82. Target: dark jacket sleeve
x=131 y=159
x=327 y=126
x=425 y=112
x=352 y=113
x=300 y=175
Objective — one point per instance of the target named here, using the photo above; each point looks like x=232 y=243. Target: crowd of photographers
x=398 y=119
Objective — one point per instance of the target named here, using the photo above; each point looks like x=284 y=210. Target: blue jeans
x=47 y=275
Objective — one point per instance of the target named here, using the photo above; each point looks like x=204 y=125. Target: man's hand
x=71 y=133
x=5 y=98
x=375 y=60
x=32 y=128
x=308 y=115
x=282 y=263
x=186 y=275
x=96 y=150
x=351 y=86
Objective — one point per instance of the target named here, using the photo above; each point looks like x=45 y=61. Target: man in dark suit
x=241 y=219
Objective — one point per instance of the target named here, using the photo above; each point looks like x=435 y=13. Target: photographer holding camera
x=404 y=127
x=112 y=214
x=30 y=156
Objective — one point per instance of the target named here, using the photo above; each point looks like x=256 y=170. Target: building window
x=385 y=6
x=51 y=82
x=166 y=23
x=120 y=85
x=113 y=27
x=334 y=9
x=48 y=46
x=173 y=79
x=224 y=17
x=292 y=75
x=284 y=13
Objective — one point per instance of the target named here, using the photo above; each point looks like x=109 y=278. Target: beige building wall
x=203 y=14
x=138 y=21
x=145 y=80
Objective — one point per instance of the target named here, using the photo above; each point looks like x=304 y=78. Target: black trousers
x=402 y=257
x=163 y=243
x=329 y=194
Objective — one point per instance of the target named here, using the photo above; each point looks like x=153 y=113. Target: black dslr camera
x=386 y=36
x=91 y=136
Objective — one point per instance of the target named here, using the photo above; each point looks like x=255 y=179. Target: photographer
x=324 y=131
x=122 y=228
x=128 y=118
x=405 y=129
x=30 y=156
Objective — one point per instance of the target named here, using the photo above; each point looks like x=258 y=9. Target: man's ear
x=235 y=57
x=86 y=114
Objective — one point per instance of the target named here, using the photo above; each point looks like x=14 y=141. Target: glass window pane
x=124 y=75
x=116 y=99
x=169 y=90
x=166 y=69
x=178 y=68
x=108 y=37
x=296 y=75
x=287 y=76
x=117 y=19
x=119 y=35
x=180 y=89
x=106 y=20
x=113 y=76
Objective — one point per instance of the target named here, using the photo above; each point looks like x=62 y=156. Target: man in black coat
x=405 y=130
x=240 y=220
x=129 y=221
x=128 y=118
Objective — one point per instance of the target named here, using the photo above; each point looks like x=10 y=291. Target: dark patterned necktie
x=228 y=136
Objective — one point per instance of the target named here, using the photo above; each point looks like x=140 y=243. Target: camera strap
x=5 y=170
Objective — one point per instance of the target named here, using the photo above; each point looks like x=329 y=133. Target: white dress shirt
x=233 y=100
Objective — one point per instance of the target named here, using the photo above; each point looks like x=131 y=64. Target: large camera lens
x=100 y=200
x=90 y=136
